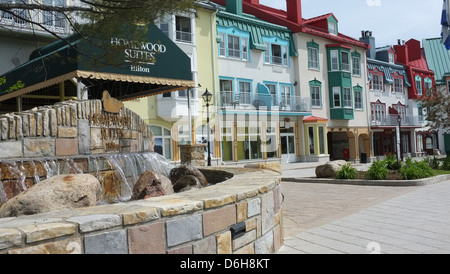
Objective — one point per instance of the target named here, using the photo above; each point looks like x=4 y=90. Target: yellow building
x=168 y=114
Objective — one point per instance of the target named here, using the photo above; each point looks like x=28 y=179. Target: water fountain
x=79 y=137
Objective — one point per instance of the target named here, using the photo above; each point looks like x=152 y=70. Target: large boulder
x=56 y=193
x=186 y=183
x=329 y=169
x=151 y=184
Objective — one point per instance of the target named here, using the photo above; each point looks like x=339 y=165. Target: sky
x=389 y=20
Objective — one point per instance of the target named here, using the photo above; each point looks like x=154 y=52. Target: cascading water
x=128 y=168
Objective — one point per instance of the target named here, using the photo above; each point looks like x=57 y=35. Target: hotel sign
x=139 y=53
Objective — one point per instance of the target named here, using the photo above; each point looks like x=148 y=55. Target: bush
x=432 y=162
x=446 y=163
x=378 y=171
x=391 y=162
x=413 y=170
x=347 y=172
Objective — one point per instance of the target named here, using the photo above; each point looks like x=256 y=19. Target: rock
x=57 y=193
x=186 y=183
x=150 y=185
x=181 y=171
x=329 y=169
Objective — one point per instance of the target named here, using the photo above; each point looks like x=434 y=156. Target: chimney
x=366 y=37
x=402 y=52
x=294 y=11
x=234 y=6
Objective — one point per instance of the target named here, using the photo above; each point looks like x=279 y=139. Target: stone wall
x=193 y=222
x=72 y=128
x=67 y=135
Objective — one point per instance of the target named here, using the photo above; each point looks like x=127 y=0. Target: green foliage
x=347 y=172
x=391 y=162
x=17 y=86
x=446 y=163
x=413 y=170
x=432 y=162
x=378 y=171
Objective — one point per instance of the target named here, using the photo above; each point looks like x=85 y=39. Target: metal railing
x=229 y=100
x=391 y=121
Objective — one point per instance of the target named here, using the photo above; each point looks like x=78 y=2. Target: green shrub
x=347 y=172
x=391 y=162
x=432 y=162
x=413 y=170
x=446 y=163
x=378 y=171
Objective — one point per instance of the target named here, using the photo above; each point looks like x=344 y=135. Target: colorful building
x=412 y=56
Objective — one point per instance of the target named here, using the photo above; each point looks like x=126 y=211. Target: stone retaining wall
x=72 y=128
x=193 y=222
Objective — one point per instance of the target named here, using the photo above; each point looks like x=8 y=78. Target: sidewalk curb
x=398 y=183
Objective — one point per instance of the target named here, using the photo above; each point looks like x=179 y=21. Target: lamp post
x=207 y=96
x=399 y=120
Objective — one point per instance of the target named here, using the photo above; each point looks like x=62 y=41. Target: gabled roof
x=319 y=18
x=438 y=58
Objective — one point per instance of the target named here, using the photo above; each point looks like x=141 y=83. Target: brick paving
x=351 y=219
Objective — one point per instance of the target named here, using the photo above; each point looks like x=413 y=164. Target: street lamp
x=207 y=96
x=399 y=120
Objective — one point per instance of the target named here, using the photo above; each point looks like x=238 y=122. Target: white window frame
x=334 y=60
x=337 y=97
x=181 y=35
x=348 y=102
x=356 y=66
x=245 y=92
x=345 y=61
x=313 y=58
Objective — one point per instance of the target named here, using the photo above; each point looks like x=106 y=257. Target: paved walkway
x=330 y=219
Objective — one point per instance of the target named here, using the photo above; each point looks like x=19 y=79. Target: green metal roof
x=257 y=29
x=438 y=58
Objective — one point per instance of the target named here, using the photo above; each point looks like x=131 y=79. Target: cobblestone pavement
x=334 y=219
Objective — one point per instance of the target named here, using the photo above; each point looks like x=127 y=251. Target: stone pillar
x=192 y=154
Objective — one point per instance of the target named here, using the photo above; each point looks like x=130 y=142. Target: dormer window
x=391 y=58
x=332 y=28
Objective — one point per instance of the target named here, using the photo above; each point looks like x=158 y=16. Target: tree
x=437 y=107
x=90 y=17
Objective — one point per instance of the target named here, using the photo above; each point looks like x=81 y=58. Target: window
x=244 y=92
x=184 y=29
x=337 y=97
x=332 y=28
x=420 y=112
x=273 y=91
x=286 y=95
x=277 y=51
x=378 y=112
x=277 y=54
x=234 y=43
x=163 y=141
x=401 y=109
x=358 y=97
x=345 y=61
x=377 y=82
x=356 y=66
x=164 y=27
x=419 y=85
x=419 y=143
x=313 y=58
x=52 y=19
x=391 y=58
x=222 y=47
x=182 y=94
x=398 y=85
x=428 y=86
x=234 y=47
x=348 y=98
x=334 y=60
x=316 y=100
x=16 y=17
x=226 y=93
x=311 y=140
x=322 y=140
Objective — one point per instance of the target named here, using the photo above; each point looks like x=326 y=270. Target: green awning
x=154 y=60
x=257 y=29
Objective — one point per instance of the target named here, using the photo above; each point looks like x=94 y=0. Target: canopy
x=150 y=65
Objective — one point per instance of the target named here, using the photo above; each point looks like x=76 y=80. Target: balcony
x=391 y=121
x=173 y=109
x=292 y=104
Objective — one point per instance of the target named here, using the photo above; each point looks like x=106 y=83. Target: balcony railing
x=295 y=104
x=391 y=121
